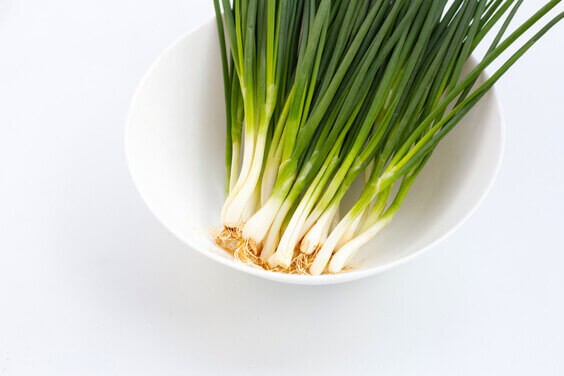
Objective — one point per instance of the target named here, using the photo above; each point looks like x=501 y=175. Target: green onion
x=319 y=93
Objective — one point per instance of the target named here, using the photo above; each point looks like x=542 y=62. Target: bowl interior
x=175 y=141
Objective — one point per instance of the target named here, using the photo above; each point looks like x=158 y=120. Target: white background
x=91 y=284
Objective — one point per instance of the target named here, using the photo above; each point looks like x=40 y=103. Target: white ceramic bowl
x=175 y=140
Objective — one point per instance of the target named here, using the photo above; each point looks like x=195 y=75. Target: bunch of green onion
x=321 y=93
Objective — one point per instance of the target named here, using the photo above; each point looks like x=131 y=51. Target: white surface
x=174 y=126
x=91 y=284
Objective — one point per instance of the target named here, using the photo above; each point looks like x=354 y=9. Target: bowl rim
x=324 y=279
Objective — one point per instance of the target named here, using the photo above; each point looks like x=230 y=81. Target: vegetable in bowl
x=320 y=94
